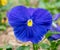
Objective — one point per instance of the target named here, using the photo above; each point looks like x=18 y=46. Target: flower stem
x=35 y=46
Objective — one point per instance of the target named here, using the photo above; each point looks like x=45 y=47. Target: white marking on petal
x=54 y=25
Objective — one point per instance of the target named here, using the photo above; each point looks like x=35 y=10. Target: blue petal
x=31 y=11
x=18 y=15
x=38 y=32
x=54 y=37
x=53 y=29
x=56 y=17
x=42 y=17
x=33 y=34
x=21 y=33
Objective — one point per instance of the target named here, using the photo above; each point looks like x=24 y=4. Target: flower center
x=29 y=22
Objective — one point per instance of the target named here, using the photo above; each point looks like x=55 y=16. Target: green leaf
x=27 y=2
x=23 y=48
x=53 y=45
x=55 y=11
x=57 y=4
x=42 y=5
x=2 y=28
x=51 y=33
x=58 y=43
x=8 y=47
x=24 y=2
x=57 y=0
x=44 y=46
x=45 y=0
x=21 y=2
x=1 y=48
x=48 y=34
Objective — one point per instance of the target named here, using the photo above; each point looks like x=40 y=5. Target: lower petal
x=20 y=33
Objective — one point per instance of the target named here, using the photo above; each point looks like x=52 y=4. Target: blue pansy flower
x=29 y=24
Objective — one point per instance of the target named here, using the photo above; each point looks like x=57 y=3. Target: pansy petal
x=18 y=15
x=56 y=17
x=21 y=33
x=38 y=33
x=54 y=37
x=53 y=29
x=31 y=11
x=42 y=17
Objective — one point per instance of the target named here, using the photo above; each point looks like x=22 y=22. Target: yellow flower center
x=3 y=2
x=29 y=22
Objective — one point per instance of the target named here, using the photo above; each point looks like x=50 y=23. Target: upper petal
x=18 y=15
x=31 y=11
x=42 y=17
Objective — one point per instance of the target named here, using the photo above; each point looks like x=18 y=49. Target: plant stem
x=35 y=46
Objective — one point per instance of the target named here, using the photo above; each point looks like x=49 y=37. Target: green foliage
x=2 y=25
x=24 y=2
x=35 y=46
x=45 y=0
x=1 y=48
x=7 y=7
x=58 y=43
x=27 y=2
x=52 y=5
x=7 y=47
x=51 y=33
x=42 y=5
x=3 y=10
x=53 y=45
x=48 y=34
x=23 y=48
x=44 y=46
x=2 y=28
